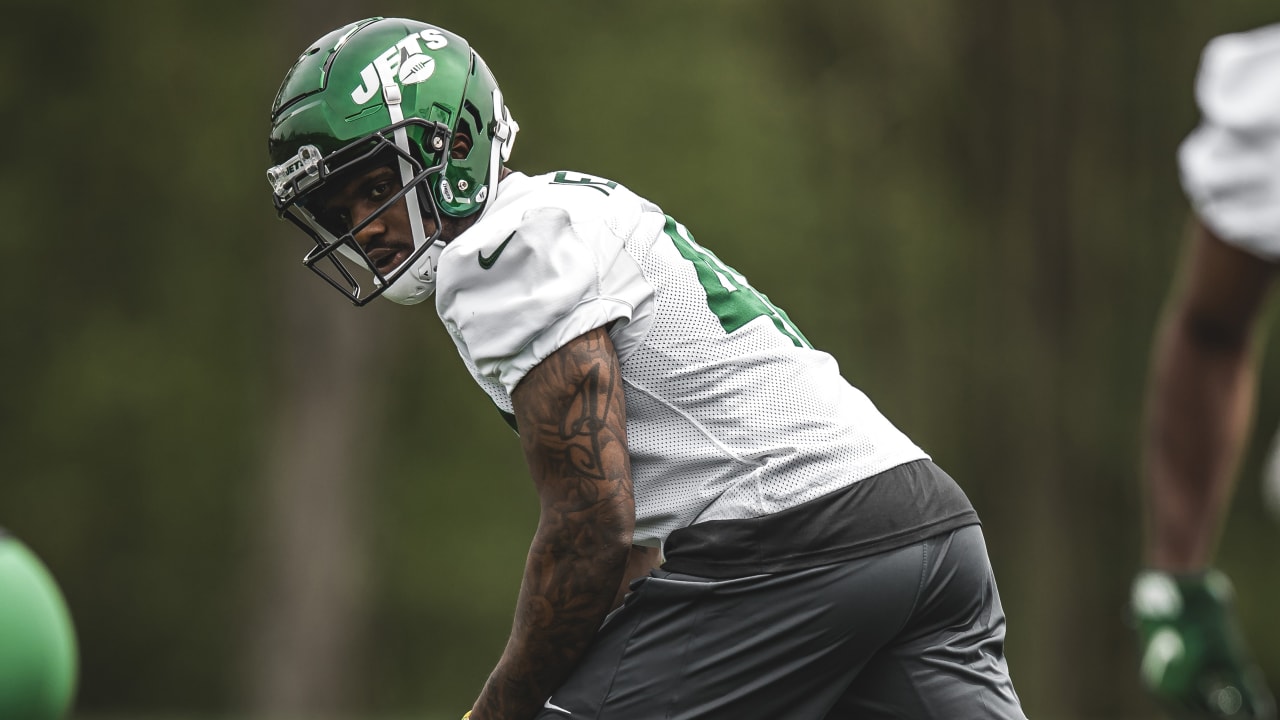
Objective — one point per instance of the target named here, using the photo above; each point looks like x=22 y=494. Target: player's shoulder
x=542 y=231
x=579 y=194
x=1238 y=83
x=544 y=209
x=541 y=207
x=538 y=268
x=1246 y=46
x=1230 y=163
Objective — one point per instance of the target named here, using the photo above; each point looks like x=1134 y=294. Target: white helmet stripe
x=391 y=95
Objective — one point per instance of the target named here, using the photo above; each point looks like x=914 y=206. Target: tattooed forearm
x=572 y=422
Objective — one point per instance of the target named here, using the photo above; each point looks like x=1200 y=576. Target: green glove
x=1193 y=657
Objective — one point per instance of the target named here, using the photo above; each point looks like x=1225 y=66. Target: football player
x=1201 y=391
x=728 y=528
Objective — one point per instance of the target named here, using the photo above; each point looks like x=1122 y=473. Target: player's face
x=388 y=238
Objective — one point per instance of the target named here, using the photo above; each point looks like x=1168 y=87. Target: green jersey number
x=729 y=295
x=565 y=177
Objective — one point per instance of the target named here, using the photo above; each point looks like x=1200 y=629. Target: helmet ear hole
x=462 y=142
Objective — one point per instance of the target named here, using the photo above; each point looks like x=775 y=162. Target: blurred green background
x=262 y=502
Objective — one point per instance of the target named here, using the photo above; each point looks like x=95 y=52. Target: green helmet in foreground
x=377 y=91
x=38 y=651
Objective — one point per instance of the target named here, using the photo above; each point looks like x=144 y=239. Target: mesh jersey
x=1231 y=162
x=730 y=413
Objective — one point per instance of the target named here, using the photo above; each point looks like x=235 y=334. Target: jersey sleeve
x=1230 y=164
x=557 y=277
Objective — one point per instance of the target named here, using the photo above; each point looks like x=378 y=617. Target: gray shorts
x=916 y=632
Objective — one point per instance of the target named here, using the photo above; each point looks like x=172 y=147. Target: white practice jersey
x=730 y=413
x=1231 y=162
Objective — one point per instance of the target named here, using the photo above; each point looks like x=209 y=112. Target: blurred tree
x=310 y=597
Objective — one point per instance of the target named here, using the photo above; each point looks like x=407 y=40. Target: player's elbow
x=614 y=531
x=1213 y=332
x=603 y=531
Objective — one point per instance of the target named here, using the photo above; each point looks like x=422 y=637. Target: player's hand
x=1193 y=657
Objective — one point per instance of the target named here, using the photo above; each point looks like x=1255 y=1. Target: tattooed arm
x=573 y=429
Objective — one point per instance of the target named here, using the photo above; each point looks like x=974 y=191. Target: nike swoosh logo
x=548 y=705
x=487 y=262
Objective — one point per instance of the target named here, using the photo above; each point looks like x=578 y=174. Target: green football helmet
x=386 y=91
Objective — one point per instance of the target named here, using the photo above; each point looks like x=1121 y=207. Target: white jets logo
x=404 y=62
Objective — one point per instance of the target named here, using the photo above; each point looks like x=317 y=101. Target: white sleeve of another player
x=554 y=281
x=1230 y=164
